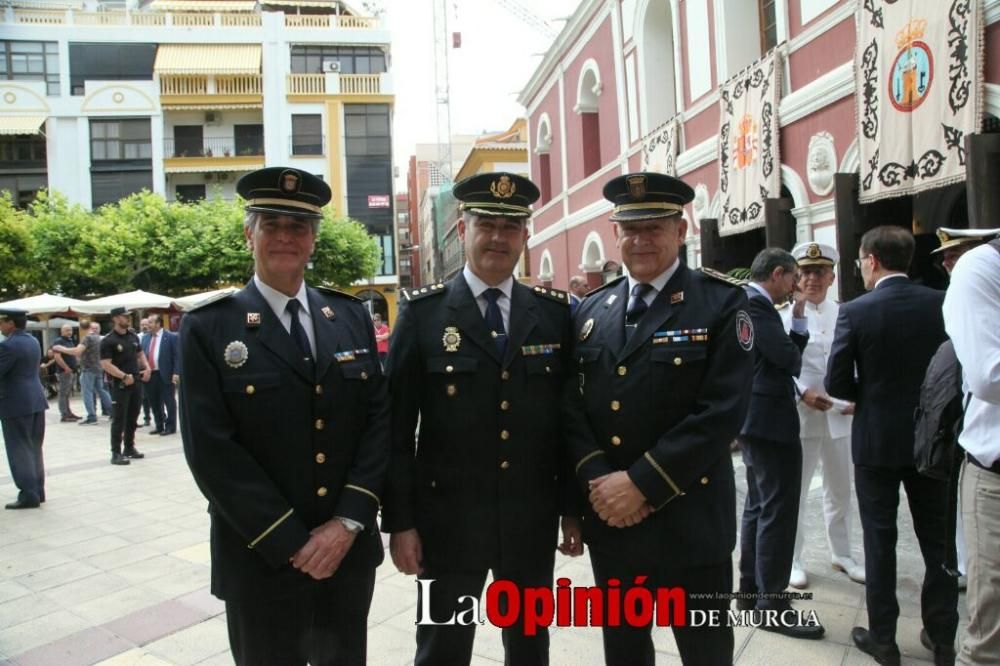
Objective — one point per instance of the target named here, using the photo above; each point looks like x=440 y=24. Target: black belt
x=995 y=467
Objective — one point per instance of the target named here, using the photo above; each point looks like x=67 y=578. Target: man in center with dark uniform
x=286 y=430
x=663 y=369
x=481 y=362
x=125 y=363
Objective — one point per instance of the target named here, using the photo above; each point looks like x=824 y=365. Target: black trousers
x=770 y=517
x=633 y=646
x=327 y=626
x=878 y=502
x=22 y=437
x=124 y=412
x=452 y=644
x=162 y=401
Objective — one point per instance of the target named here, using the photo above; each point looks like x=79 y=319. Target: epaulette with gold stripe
x=218 y=298
x=604 y=286
x=722 y=277
x=342 y=294
x=423 y=292
x=552 y=294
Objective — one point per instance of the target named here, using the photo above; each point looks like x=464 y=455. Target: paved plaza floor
x=114 y=570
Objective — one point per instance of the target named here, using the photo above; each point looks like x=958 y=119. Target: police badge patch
x=451 y=339
x=744 y=330
x=236 y=354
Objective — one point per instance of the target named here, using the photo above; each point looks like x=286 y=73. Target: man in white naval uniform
x=825 y=423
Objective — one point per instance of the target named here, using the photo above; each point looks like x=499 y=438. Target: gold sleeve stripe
x=656 y=466
x=586 y=458
x=270 y=529
x=365 y=491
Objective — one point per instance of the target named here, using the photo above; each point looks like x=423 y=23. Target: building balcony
x=339 y=84
x=42 y=17
x=204 y=92
x=327 y=21
x=211 y=154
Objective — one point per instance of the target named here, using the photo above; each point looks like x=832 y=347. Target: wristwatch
x=352 y=526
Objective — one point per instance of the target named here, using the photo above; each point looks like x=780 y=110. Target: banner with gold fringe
x=919 y=78
x=749 y=165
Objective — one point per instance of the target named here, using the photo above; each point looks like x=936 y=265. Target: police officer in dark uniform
x=286 y=431
x=663 y=365
x=481 y=362
x=123 y=360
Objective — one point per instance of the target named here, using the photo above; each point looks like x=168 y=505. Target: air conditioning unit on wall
x=331 y=66
x=213 y=117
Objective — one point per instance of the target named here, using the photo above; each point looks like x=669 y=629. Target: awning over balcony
x=207 y=59
x=212 y=168
x=21 y=124
x=211 y=106
x=331 y=4
x=203 y=5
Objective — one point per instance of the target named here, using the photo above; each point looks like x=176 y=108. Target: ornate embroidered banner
x=918 y=68
x=659 y=149
x=749 y=166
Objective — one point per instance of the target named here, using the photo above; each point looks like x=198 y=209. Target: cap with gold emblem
x=646 y=196
x=956 y=237
x=496 y=194
x=815 y=254
x=12 y=314
x=285 y=191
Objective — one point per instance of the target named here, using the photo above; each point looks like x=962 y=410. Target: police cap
x=285 y=191
x=646 y=196
x=497 y=194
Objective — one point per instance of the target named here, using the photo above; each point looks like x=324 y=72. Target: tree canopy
x=145 y=242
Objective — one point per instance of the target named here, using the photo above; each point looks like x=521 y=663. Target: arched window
x=587 y=93
x=545 y=268
x=543 y=144
x=657 y=82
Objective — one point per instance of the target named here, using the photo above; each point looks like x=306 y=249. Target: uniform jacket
x=665 y=407
x=773 y=414
x=277 y=447
x=21 y=392
x=482 y=484
x=169 y=362
x=889 y=335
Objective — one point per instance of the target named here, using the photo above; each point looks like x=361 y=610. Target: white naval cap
x=954 y=237
x=815 y=254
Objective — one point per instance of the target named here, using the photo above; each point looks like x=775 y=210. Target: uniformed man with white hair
x=825 y=423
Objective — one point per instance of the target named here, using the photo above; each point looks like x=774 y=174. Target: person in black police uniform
x=125 y=363
x=286 y=430
x=772 y=450
x=481 y=361
x=663 y=365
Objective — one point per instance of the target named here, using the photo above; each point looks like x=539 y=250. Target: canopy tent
x=196 y=300
x=133 y=300
x=55 y=323
x=43 y=304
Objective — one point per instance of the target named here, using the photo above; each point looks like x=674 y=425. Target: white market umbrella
x=133 y=300
x=196 y=300
x=43 y=304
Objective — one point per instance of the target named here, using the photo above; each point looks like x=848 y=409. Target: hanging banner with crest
x=749 y=165
x=659 y=149
x=919 y=77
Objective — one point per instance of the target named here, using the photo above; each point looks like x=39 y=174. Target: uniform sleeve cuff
x=591 y=466
x=358 y=503
x=282 y=539
x=653 y=481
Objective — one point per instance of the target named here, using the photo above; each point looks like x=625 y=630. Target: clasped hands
x=617 y=501
x=325 y=550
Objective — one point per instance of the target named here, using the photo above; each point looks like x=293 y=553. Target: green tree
x=17 y=268
x=344 y=253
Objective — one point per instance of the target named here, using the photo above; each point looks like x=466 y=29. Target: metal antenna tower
x=442 y=88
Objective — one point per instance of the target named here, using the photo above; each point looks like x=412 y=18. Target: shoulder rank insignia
x=604 y=286
x=552 y=294
x=417 y=294
x=253 y=319
x=722 y=277
x=342 y=294
x=235 y=354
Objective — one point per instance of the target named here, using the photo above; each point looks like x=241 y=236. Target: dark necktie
x=494 y=319
x=636 y=307
x=298 y=333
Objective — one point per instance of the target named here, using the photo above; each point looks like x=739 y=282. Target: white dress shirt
x=278 y=302
x=972 y=319
x=798 y=324
x=658 y=283
x=478 y=287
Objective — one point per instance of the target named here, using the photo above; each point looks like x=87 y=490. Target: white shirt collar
x=279 y=301
x=887 y=277
x=763 y=291
x=660 y=281
x=477 y=286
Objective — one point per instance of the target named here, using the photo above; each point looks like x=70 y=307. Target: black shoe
x=88 y=421
x=158 y=431
x=944 y=655
x=20 y=504
x=119 y=459
x=133 y=453
x=881 y=653
x=172 y=431
x=745 y=604
x=804 y=631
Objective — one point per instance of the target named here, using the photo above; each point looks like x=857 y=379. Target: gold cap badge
x=813 y=252
x=503 y=187
x=637 y=187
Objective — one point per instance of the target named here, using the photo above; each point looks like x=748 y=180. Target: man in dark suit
x=662 y=360
x=160 y=347
x=577 y=290
x=481 y=361
x=881 y=349
x=772 y=451
x=286 y=431
x=22 y=409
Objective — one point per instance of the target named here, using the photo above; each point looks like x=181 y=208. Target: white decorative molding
x=543 y=140
x=813 y=214
x=701 y=201
x=545 y=267
x=586 y=96
x=715 y=208
x=585 y=214
x=992 y=96
x=110 y=98
x=840 y=14
x=821 y=163
x=991 y=11
x=701 y=106
x=817 y=94
x=851 y=161
x=23 y=97
x=596 y=262
x=704 y=153
x=793 y=182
